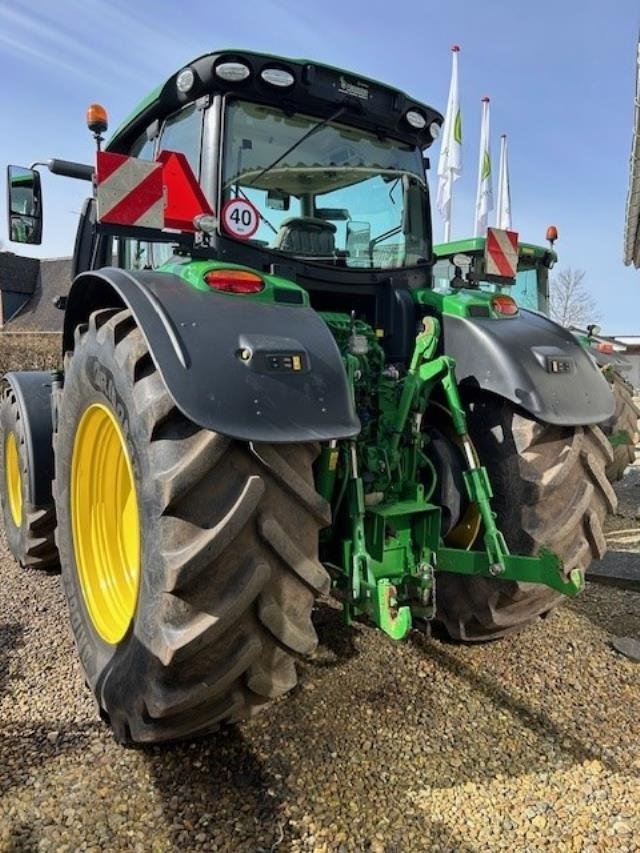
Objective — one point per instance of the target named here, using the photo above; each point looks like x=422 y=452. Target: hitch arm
x=545 y=568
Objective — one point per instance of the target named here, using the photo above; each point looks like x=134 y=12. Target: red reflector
x=234 y=281
x=503 y=304
x=604 y=347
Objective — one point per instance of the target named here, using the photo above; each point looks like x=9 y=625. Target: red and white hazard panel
x=129 y=191
x=501 y=252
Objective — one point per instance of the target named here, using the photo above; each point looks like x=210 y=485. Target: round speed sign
x=240 y=218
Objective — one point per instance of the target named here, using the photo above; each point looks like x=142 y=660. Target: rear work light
x=232 y=72
x=505 y=305
x=416 y=119
x=278 y=77
x=234 y=281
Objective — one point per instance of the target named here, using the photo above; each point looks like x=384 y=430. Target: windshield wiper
x=310 y=132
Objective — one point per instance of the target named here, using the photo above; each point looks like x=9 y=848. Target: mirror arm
x=67 y=168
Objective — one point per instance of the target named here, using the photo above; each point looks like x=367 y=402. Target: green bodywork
x=455 y=303
x=193 y=273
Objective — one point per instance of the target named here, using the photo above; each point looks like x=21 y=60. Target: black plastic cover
x=33 y=395
x=533 y=362
x=247 y=369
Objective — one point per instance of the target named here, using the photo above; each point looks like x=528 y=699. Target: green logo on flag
x=457 y=128
x=486 y=166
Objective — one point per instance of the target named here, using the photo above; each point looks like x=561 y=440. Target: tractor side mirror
x=278 y=200
x=24 y=202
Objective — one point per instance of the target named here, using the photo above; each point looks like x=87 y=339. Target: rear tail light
x=234 y=281
x=605 y=347
x=506 y=305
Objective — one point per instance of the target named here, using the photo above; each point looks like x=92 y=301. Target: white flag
x=503 y=214
x=450 y=161
x=484 y=195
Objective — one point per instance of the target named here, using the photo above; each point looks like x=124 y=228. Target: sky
x=561 y=77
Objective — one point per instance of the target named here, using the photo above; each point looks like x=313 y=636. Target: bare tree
x=570 y=302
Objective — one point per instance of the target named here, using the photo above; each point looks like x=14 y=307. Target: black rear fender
x=531 y=361
x=196 y=340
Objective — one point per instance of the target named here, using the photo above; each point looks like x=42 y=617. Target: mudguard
x=33 y=395
x=531 y=361
x=247 y=369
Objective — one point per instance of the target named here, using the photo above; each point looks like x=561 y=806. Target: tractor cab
x=301 y=165
x=466 y=264
x=286 y=167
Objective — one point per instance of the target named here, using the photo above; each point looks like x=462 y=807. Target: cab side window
x=143 y=148
x=181 y=132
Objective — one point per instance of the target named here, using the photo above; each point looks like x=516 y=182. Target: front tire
x=228 y=565
x=550 y=490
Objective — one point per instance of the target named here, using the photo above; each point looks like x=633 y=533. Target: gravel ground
x=523 y=744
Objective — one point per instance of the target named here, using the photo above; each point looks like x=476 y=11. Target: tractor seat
x=305 y=235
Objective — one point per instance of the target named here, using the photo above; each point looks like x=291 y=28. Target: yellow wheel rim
x=13 y=477
x=105 y=522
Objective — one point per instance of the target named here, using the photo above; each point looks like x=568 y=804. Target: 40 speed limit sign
x=240 y=218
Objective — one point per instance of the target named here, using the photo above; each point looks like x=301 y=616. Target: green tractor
x=465 y=260
x=264 y=399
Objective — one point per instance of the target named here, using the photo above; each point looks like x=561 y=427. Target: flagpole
x=499 y=204
x=450 y=160
x=455 y=50
x=484 y=195
x=503 y=213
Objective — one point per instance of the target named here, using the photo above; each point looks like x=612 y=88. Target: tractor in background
x=465 y=260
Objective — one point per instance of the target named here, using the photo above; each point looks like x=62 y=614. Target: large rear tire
x=624 y=420
x=228 y=535
x=29 y=528
x=551 y=491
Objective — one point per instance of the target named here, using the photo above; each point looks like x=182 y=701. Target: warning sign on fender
x=240 y=218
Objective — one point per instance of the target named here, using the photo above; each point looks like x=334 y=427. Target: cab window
x=181 y=132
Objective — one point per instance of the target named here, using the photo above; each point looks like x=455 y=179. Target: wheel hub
x=13 y=478
x=105 y=522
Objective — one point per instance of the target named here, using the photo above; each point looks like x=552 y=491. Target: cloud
x=46 y=41
x=37 y=54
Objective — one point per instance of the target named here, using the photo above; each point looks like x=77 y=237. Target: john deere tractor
x=265 y=399
x=466 y=259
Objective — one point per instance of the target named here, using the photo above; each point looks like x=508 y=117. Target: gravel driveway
x=517 y=745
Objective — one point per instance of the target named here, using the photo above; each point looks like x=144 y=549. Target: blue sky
x=560 y=76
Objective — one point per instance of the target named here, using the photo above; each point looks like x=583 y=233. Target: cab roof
x=318 y=88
